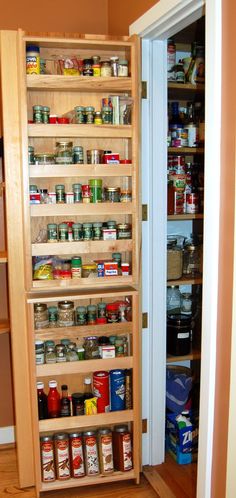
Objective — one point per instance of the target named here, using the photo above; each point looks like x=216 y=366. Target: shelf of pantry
x=185 y=150
x=65 y=423
x=4 y=326
x=85 y=366
x=178 y=217
x=79 y=131
x=82 y=283
x=194 y=355
x=3 y=256
x=80 y=170
x=184 y=90
x=80 y=209
x=77 y=83
x=185 y=281
x=82 y=247
x=88 y=481
x=84 y=331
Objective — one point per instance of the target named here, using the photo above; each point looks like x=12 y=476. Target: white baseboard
x=7 y=435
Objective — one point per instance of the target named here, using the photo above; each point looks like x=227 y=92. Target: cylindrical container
x=171 y=55
x=92 y=314
x=107 y=115
x=47 y=459
x=79 y=115
x=63 y=232
x=91 y=348
x=45 y=113
x=77 y=231
x=192 y=258
x=122 y=448
x=125 y=269
x=98 y=118
x=39 y=352
x=89 y=270
x=192 y=203
x=96 y=66
x=94 y=156
x=60 y=353
x=114 y=65
x=173 y=299
x=40 y=316
x=60 y=194
x=32 y=60
x=87 y=231
x=112 y=313
x=174 y=260
x=76 y=455
x=91 y=453
x=105 y=451
x=112 y=194
x=52 y=232
x=44 y=158
x=81 y=315
x=64 y=154
x=178 y=334
x=50 y=354
x=128 y=389
x=78 y=154
x=77 y=190
x=52 y=316
x=186 y=300
x=31 y=159
x=87 y=67
x=117 y=390
x=106 y=71
x=89 y=114
x=38 y=114
x=124 y=231
x=86 y=194
x=65 y=313
x=96 y=190
x=123 y=68
x=101 y=390
x=76 y=267
x=101 y=310
x=62 y=456
x=116 y=256
x=193 y=138
x=77 y=403
x=97 y=231
x=178 y=202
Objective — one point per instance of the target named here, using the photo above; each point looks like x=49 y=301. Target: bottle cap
x=64 y=387
x=52 y=383
x=87 y=380
x=40 y=385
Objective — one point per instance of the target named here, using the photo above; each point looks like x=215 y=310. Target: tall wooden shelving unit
x=62 y=94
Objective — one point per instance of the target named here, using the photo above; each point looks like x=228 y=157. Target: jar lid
x=97 y=225
x=79 y=350
x=75 y=434
x=30 y=148
x=46 y=439
x=81 y=309
x=65 y=342
x=59 y=186
x=32 y=48
x=179 y=319
x=66 y=304
x=89 y=108
x=123 y=226
x=111 y=223
x=79 y=108
x=52 y=226
x=60 y=436
x=76 y=261
x=77 y=148
x=104 y=431
x=89 y=267
x=63 y=226
x=121 y=428
x=112 y=307
x=45 y=155
x=106 y=108
x=77 y=225
x=106 y=63
x=112 y=189
x=87 y=381
x=50 y=343
x=37 y=107
x=33 y=188
x=87 y=225
x=89 y=433
x=123 y=62
x=95 y=182
x=52 y=383
x=91 y=338
x=64 y=144
x=102 y=305
x=40 y=307
x=92 y=307
x=77 y=186
x=46 y=108
x=114 y=58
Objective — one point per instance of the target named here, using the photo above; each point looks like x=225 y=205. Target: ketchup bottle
x=54 y=402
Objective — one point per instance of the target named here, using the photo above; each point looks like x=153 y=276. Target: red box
x=110 y=269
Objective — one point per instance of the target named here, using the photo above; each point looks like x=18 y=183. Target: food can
x=192 y=203
x=47 y=459
x=101 y=390
x=105 y=451
x=178 y=202
x=91 y=453
x=62 y=457
x=76 y=455
x=117 y=390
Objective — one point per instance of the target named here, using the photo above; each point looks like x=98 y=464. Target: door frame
x=158 y=24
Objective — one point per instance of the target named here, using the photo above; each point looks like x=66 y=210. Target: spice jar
x=77 y=191
x=114 y=65
x=122 y=448
x=60 y=353
x=98 y=118
x=62 y=456
x=105 y=451
x=86 y=193
x=96 y=190
x=65 y=313
x=39 y=352
x=91 y=453
x=64 y=154
x=32 y=59
x=192 y=259
x=125 y=196
x=40 y=316
x=97 y=231
x=174 y=260
x=91 y=314
x=80 y=353
x=94 y=156
x=31 y=159
x=80 y=114
x=38 y=114
x=112 y=194
x=91 y=348
x=89 y=270
x=87 y=231
x=112 y=313
x=44 y=158
x=77 y=403
x=81 y=315
x=124 y=231
x=52 y=316
x=186 y=300
x=87 y=67
x=76 y=267
x=123 y=69
x=76 y=455
x=45 y=114
x=106 y=71
x=78 y=155
x=106 y=115
x=52 y=232
x=47 y=459
x=77 y=231
x=101 y=310
x=63 y=232
x=50 y=354
x=60 y=194
x=71 y=354
x=96 y=66
x=89 y=114
x=173 y=299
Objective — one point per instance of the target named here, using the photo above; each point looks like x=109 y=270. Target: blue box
x=182 y=442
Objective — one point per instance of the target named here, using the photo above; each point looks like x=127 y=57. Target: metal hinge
x=144 y=90
x=144 y=212
x=2 y=187
x=145 y=320
x=144 y=426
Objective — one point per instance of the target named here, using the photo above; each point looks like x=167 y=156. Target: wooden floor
x=169 y=480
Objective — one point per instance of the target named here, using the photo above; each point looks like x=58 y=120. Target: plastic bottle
x=42 y=401
x=54 y=404
x=65 y=410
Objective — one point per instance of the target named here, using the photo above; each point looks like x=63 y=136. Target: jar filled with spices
x=106 y=71
x=112 y=194
x=86 y=194
x=105 y=451
x=38 y=114
x=77 y=404
x=60 y=194
x=77 y=231
x=39 y=352
x=96 y=66
x=40 y=316
x=107 y=115
x=87 y=67
x=124 y=231
x=65 y=313
x=89 y=114
x=91 y=348
x=114 y=65
x=60 y=353
x=96 y=190
x=92 y=314
x=87 y=231
x=98 y=118
x=91 y=453
x=45 y=114
x=31 y=159
x=192 y=258
x=97 y=231
x=71 y=354
x=174 y=259
x=123 y=68
x=94 y=156
x=81 y=315
x=47 y=459
x=101 y=309
x=62 y=456
x=122 y=448
x=63 y=232
x=78 y=155
x=52 y=232
x=64 y=153
x=79 y=114
x=112 y=313
x=52 y=316
x=77 y=191
x=89 y=270
x=76 y=267
x=50 y=354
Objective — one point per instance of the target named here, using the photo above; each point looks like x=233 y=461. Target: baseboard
x=7 y=435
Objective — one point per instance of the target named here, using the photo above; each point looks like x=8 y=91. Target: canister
x=179 y=328
x=117 y=390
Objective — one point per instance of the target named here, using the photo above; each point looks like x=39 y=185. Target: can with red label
x=192 y=203
x=91 y=453
x=47 y=459
x=76 y=455
x=178 y=202
x=62 y=456
x=101 y=391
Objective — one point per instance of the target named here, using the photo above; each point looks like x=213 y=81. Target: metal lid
x=66 y=305
x=123 y=226
x=121 y=428
x=104 y=431
x=40 y=385
x=60 y=436
x=40 y=307
x=112 y=189
x=179 y=319
x=46 y=439
x=77 y=396
x=64 y=144
x=89 y=433
x=81 y=309
x=75 y=434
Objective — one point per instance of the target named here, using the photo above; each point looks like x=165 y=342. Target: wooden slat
x=77 y=83
x=79 y=131
x=157 y=483
x=82 y=247
x=81 y=209
x=88 y=481
x=194 y=355
x=64 y=424
x=185 y=281
x=84 y=366
x=4 y=326
x=185 y=150
x=84 y=331
x=76 y=294
x=78 y=170
x=96 y=282
x=183 y=217
x=186 y=86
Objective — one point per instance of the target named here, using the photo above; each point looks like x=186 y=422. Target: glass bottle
x=54 y=405
x=42 y=401
x=173 y=301
x=65 y=410
x=88 y=388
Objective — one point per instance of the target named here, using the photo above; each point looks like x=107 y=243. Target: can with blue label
x=117 y=390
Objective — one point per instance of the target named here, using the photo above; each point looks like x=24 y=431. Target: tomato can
x=91 y=453
x=76 y=455
x=47 y=459
x=101 y=390
x=192 y=203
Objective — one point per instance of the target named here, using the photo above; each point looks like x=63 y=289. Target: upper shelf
x=186 y=150
x=85 y=366
x=185 y=281
x=185 y=91
x=80 y=209
x=3 y=256
x=78 y=170
x=79 y=131
x=77 y=83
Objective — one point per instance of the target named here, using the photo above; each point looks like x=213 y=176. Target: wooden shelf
x=84 y=331
x=4 y=327
x=79 y=131
x=185 y=91
x=80 y=209
x=96 y=282
x=68 y=423
x=3 y=256
x=186 y=150
x=80 y=170
x=200 y=87
x=88 y=481
x=85 y=366
x=77 y=294
x=194 y=355
x=178 y=217
x=77 y=83
x=185 y=281
x=82 y=247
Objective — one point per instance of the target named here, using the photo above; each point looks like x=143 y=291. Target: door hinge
x=145 y=320
x=144 y=90
x=144 y=426
x=2 y=187
x=144 y=212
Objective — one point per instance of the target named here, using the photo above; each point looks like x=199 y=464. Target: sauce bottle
x=65 y=410
x=42 y=401
x=54 y=405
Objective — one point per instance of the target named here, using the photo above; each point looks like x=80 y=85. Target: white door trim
x=160 y=22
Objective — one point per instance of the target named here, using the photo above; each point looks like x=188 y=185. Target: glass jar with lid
x=96 y=66
x=71 y=354
x=50 y=354
x=87 y=231
x=97 y=230
x=77 y=231
x=173 y=300
x=192 y=257
x=60 y=353
x=124 y=231
x=31 y=159
x=77 y=191
x=81 y=315
x=60 y=194
x=106 y=70
x=106 y=115
x=174 y=259
x=186 y=300
x=40 y=316
x=66 y=313
x=52 y=316
x=78 y=154
x=64 y=152
x=52 y=232
x=79 y=114
x=112 y=194
x=89 y=114
x=45 y=114
x=92 y=314
x=91 y=348
x=87 y=67
x=123 y=68
x=63 y=232
x=114 y=65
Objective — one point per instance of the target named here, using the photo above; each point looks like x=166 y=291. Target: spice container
x=112 y=194
x=45 y=114
x=77 y=191
x=86 y=193
x=96 y=190
x=77 y=231
x=47 y=459
x=89 y=114
x=114 y=65
x=106 y=70
x=39 y=352
x=71 y=354
x=87 y=231
x=122 y=448
x=89 y=271
x=97 y=231
x=106 y=115
x=64 y=153
x=105 y=451
x=186 y=303
x=98 y=118
x=60 y=353
x=52 y=232
x=32 y=60
x=125 y=196
x=94 y=156
x=124 y=231
x=96 y=66
x=76 y=455
x=178 y=334
x=31 y=159
x=38 y=114
x=60 y=194
x=63 y=232
x=128 y=389
x=112 y=313
x=117 y=390
x=192 y=259
x=78 y=154
x=65 y=313
x=40 y=316
x=52 y=316
x=80 y=353
x=101 y=391
x=91 y=453
x=174 y=260
x=76 y=267
x=101 y=307
x=87 y=67
x=123 y=69
x=125 y=269
x=173 y=299
x=81 y=315
x=77 y=404
x=80 y=115
x=50 y=354
x=62 y=456
x=91 y=314
x=91 y=348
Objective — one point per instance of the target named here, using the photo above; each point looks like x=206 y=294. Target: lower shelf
x=68 y=423
x=88 y=481
x=194 y=355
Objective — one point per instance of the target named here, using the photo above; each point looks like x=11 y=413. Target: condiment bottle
x=54 y=405
x=42 y=401
x=65 y=410
x=88 y=388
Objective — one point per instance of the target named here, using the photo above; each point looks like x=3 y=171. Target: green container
x=77 y=231
x=63 y=232
x=45 y=114
x=81 y=315
x=77 y=190
x=96 y=190
x=101 y=310
x=92 y=314
x=116 y=256
x=52 y=316
x=87 y=231
x=97 y=231
x=38 y=114
x=52 y=232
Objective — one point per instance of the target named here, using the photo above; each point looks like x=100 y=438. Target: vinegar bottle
x=54 y=404
x=65 y=410
x=42 y=401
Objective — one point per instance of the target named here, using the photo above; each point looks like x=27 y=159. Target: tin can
x=62 y=456
x=76 y=455
x=91 y=453
x=47 y=459
x=117 y=390
x=122 y=446
x=101 y=390
x=178 y=202
x=193 y=137
x=192 y=203
x=78 y=154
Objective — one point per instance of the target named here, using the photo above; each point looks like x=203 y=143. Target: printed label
x=107 y=454
x=183 y=335
x=77 y=458
x=48 y=468
x=63 y=466
x=127 y=452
